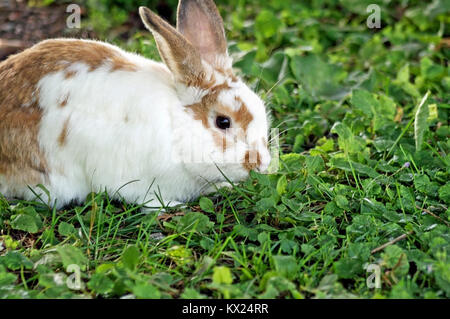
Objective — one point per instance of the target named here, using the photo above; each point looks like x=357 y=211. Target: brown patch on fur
x=62 y=138
x=69 y=74
x=252 y=160
x=21 y=160
x=65 y=52
x=201 y=82
x=219 y=88
x=227 y=73
x=202 y=109
x=64 y=100
x=224 y=110
x=122 y=64
x=243 y=115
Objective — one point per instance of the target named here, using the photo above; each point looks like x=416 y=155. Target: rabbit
x=81 y=116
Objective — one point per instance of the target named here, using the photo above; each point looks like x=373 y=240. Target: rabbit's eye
x=223 y=122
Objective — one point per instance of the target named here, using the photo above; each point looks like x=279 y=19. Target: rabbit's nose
x=252 y=160
x=257 y=160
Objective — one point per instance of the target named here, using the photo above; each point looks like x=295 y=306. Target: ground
x=359 y=207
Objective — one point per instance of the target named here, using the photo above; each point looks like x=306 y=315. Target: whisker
x=285 y=121
x=276 y=84
x=279 y=135
x=291 y=128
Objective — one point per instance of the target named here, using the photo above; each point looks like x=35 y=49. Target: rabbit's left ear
x=200 y=22
x=180 y=56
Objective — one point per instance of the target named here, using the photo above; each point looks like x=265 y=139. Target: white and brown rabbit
x=78 y=116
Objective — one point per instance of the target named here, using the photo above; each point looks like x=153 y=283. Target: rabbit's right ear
x=180 y=56
x=200 y=22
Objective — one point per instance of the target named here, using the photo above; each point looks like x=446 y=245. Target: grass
x=363 y=177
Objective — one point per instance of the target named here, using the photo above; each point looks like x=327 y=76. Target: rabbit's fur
x=79 y=116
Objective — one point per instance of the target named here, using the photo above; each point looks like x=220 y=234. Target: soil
x=22 y=26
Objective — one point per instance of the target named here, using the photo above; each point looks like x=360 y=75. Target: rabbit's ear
x=200 y=22
x=180 y=56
